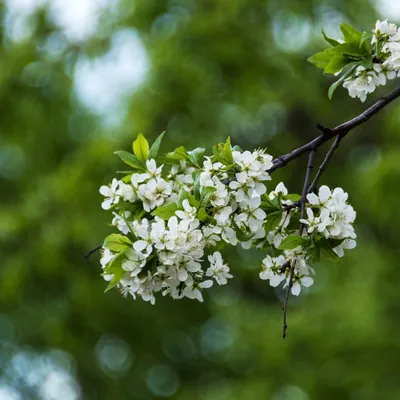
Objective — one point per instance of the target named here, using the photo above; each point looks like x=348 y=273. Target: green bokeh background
x=216 y=68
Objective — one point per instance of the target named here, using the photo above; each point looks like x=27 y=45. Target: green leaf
x=349 y=49
x=130 y=159
x=196 y=156
x=336 y=64
x=331 y=41
x=365 y=42
x=178 y=154
x=115 y=268
x=117 y=243
x=165 y=212
x=315 y=253
x=184 y=195
x=292 y=241
x=242 y=236
x=350 y=34
x=228 y=151
x=326 y=250
x=202 y=215
x=322 y=59
x=141 y=148
x=153 y=153
x=270 y=205
x=236 y=148
x=205 y=195
x=368 y=63
x=196 y=183
x=347 y=71
x=292 y=197
x=335 y=242
x=273 y=221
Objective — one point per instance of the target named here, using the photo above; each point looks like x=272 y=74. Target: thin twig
x=89 y=253
x=306 y=186
x=322 y=167
x=285 y=303
x=328 y=134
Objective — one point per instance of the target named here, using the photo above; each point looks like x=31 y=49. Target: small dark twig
x=285 y=303
x=306 y=186
x=89 y=253
x=322 y=167
x=324 y=131
x=289 y=207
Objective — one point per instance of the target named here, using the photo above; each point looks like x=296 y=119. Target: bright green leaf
x=129 y=159
x=331 y=41
x=165 y=212
x=141 y=148
x=292 y=241
x=350 y=34
x=155 y=147
x=347 y=71
x=117 y=243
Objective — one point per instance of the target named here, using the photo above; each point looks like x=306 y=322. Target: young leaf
x=196 y=155
x=365 y=42
x=242 y=236
x=178 y=154
x=336 y=64
x=196 y=183
x=153 y=153
x=141 y=148
x=347 y=71
x=228 y=151
x=292 y=197
x=350 y=34
x=322 y=59
x=273 y=221
x=331 y=41
x=129 y=159
x=117 y=243
x=202 y=215
x=349 y=49
x=115 y=268
x=292 y=241
x=326 y=250
x=165 y=212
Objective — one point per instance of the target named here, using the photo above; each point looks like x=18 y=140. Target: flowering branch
x=175 y=212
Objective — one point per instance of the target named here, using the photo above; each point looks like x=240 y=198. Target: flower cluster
x=175 y=213
x=365 y=61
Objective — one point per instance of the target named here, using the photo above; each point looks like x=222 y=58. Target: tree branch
x=322 y=167
x=328 y=134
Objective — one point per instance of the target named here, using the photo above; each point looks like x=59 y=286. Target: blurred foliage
x=216 y=68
